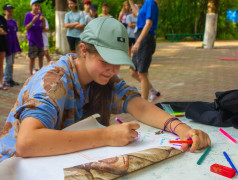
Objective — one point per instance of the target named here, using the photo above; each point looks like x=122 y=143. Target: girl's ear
x=82 y=49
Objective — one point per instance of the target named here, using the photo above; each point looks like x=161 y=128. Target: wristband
x=167 y=122
x=31 y=23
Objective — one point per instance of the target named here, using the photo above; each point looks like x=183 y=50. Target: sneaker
x=154 y=97
x=14 y=83
x=34 y=71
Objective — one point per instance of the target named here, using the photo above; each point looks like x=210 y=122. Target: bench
x=178 y=37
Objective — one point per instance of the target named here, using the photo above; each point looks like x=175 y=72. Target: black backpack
x=227 y=101
x=223 y=112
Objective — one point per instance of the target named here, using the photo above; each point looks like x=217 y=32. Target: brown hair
x=100 y=96
x=123 y=7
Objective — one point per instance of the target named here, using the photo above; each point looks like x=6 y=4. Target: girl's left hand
x=200 y=140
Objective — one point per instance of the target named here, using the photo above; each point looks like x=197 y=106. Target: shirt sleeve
x=150 y=11
x=122 y=94
x=27 y=19
x=3 y=24
x=44 y=96
x=82 y=19
x=46 y=24
x=16 y=26
x=128 y=19
x=66 y=18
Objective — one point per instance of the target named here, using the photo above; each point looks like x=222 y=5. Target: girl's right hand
x=121 y=134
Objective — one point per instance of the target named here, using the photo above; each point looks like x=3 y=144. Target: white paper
x=49 y=168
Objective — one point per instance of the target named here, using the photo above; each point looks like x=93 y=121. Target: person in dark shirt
x=3 y=48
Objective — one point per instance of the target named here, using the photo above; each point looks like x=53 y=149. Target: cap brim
x=115 y=57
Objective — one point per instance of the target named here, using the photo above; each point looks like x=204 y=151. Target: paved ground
x=180 y=71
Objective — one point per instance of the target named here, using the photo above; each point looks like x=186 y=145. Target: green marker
x=203 y=155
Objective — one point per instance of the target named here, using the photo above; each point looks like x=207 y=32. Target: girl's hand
x=121 y=134
x=200 y=140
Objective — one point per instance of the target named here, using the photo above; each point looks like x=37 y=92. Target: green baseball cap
x=110 y=38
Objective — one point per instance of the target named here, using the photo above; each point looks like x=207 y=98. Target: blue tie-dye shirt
x=55 y=97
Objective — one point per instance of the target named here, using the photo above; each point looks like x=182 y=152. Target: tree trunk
x=61 y=40
x=211 y=24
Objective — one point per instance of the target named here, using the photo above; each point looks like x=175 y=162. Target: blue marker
x=229 y=160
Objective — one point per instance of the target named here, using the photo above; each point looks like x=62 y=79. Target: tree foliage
x=176 y=16
x=186 y=16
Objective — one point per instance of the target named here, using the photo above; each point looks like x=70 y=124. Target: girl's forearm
x=151 y=115
x=46 y=142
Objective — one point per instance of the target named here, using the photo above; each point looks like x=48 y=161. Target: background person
x=131 y=20
x=87 y=5
x=92 y=13
x=124 y=13
x=105 y=11
x=35 y=23
x=3 y=48
x=13 y=46
x=45 y=39
x=66 y=91
x=74 y=22
x=145 y=45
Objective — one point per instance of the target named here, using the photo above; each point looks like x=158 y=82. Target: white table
x=182 y=166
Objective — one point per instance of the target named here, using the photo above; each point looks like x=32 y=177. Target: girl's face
x=126 y=6
x=99 y=70
x=35 y=7
x=72 y=5
x=8 y=13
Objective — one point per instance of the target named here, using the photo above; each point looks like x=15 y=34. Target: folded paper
x=115 y=167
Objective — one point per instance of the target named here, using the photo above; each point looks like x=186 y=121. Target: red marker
x=188 y=142
x=223 y=170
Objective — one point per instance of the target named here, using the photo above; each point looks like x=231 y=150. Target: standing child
x=131 y=20
x=124 y=13
x=13 y=45
x=67 y=91
x=74 y=22
x=86 y=6
x=145 y=45
x=3 y=48
x=93 y=13
x=34 y=24
x=105 y=11
x=45 y=38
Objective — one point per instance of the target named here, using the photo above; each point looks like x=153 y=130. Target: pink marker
x=118 y=120
x=227 y=135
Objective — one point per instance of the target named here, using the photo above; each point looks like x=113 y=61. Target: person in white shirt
x=131 y=20
x=45 y=39
x=87 y=5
